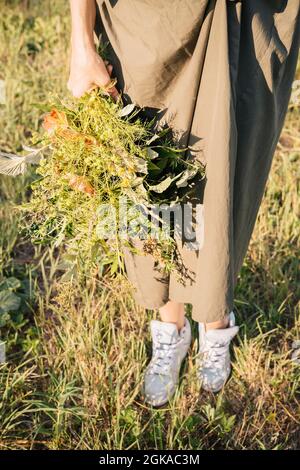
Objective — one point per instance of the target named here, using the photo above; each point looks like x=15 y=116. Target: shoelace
x=214 y=355
x=161 y=362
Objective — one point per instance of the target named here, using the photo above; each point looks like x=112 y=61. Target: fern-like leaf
x=14 y=165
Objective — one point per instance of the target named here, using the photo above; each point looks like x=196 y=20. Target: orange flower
x=80 y=183
x=71 y=134
x=89 y=140
x=53 y=120
x=68 y=134
x=56 y=122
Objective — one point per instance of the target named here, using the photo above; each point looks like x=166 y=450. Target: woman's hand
x=87 y=68
x=88 y=71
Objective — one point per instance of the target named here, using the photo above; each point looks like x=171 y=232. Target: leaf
x=114 y=266
x=160 y=133
x=169 y=152
x=126 y=110
x=151 y=153
x=153 y=167
x=137 y=181
x=8 y=302
x=12 y=165
x=160 y=166
x=34 y=156
x=186 y=176
x=4 y=319
x=140 y=165
x=152 y=139
x=11 y=283
x=162 y=186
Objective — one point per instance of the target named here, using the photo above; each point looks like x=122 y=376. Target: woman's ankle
x=219 y=324
x=173 y=312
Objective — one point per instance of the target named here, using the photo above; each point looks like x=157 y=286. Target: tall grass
x=75 y=356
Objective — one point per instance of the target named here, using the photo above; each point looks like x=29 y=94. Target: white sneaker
x=168 y=351
x=213 y=360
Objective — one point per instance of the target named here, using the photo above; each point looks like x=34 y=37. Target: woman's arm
x=87 y=69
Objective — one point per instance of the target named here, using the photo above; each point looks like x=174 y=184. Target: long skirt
x=220 y=73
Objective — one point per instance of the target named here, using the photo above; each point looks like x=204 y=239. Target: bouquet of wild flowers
x=99 y=160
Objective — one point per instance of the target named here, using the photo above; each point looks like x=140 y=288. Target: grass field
x=75 y=356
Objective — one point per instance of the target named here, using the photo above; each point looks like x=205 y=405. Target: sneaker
x=169 y=348
x=213 y=361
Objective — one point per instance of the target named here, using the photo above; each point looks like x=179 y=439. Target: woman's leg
x=216 y=325
x=173 y=312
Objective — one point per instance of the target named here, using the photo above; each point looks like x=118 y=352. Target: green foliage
x=217 y=419
x=9 y=301
x=101 y=152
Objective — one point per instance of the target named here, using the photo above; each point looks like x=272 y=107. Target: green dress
x=221 y=72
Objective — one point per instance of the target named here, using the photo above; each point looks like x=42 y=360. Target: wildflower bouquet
x=97 y=158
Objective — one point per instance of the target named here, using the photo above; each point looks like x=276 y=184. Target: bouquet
x=101 y=168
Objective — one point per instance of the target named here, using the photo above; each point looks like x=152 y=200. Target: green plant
x=100 y=153
x=9 y=300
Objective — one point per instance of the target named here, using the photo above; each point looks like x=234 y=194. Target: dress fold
x=220 y=74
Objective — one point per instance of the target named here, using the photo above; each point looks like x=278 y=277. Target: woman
x=220 y=72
